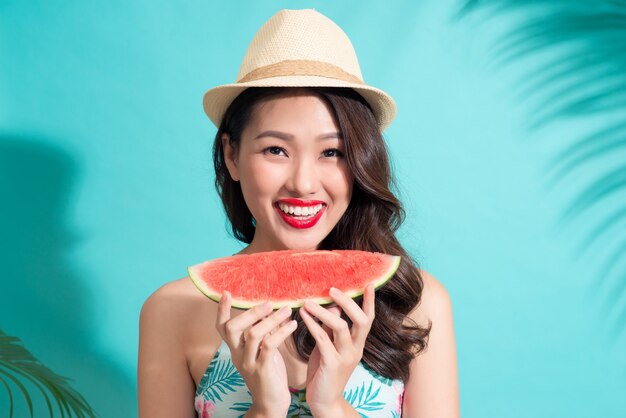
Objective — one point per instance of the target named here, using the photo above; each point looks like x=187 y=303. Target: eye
x=332 y=152
x=273 y=150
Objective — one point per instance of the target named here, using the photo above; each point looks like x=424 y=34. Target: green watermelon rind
x=242 y=304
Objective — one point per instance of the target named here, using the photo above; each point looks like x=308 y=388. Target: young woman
x=300 y=133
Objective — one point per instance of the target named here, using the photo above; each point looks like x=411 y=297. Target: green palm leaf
x=364 y=401
x=242 y=407
x=224 y=377
x=584 y=75
x=18 y=365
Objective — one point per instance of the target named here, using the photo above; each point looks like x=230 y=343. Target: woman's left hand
x=338 y=349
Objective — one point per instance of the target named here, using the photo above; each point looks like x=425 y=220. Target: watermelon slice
x=289 y=277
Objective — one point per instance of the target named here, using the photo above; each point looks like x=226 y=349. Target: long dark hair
x=369 y=223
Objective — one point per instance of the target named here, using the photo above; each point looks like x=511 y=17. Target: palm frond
x=18 y=365
x=364 y=401
x=581 y=72
x=606 y=141
x=242 y=407
x=224 y=377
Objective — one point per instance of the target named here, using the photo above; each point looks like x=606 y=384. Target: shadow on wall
x=44 y=301
x=584 y=77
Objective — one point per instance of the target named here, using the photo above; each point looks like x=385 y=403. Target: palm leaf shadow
x=18 y=365
x=583 y=76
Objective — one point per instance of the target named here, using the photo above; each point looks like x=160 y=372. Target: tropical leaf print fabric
x=222 y=392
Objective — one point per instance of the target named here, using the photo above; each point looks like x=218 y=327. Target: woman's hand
x=338 y=349
x=253 y=339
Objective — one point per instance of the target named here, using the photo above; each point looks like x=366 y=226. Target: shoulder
x=435 y=296
x=172 y=311
x=172 y=291
x=432 y=389
x=171 y=300
x=435 y=302
x=167 y=320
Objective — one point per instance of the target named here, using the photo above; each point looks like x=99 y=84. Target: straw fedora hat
x=297 y=48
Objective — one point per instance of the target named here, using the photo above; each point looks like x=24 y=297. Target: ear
x=230 y=157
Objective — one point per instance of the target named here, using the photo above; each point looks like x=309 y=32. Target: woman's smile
x=299 y=215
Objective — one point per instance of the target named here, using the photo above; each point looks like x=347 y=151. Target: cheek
x=340 y=180
x=259 y=179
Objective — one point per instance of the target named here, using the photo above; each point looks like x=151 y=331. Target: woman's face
x=291 y=159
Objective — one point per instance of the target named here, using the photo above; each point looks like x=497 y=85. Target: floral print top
x=222 y=392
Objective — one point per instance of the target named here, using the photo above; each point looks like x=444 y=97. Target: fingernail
x=334 y=291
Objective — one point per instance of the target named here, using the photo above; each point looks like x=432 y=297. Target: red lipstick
x=300 y=223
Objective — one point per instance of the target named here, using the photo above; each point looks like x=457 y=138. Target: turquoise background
x=107 y=189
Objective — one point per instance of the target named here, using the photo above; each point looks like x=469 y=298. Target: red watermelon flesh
x=289 y=277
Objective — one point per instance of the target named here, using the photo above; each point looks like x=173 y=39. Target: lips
x=300 y=223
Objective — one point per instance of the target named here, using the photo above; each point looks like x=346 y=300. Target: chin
x=302 y=245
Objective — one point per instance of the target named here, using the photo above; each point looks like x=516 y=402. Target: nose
x=304 y=179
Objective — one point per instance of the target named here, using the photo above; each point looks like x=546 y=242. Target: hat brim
x=217 y=99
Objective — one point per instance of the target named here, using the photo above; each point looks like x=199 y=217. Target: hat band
x=300 y=67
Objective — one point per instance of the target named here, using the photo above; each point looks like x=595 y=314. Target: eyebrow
x=287 y=137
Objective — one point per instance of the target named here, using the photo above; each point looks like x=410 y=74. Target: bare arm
x=432 y=390
x=165 y=386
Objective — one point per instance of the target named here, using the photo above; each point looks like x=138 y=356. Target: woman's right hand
x=257 y=358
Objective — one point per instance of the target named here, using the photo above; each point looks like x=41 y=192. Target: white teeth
x=300 y=210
